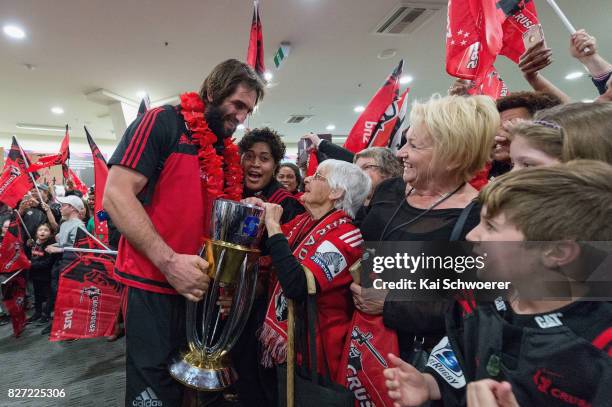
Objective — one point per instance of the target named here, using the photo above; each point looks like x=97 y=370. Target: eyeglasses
x=319 y=177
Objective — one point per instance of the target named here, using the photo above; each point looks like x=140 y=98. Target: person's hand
x=30 y=242
x=582 y=45
x=253 y=201
x=273 y=216
x=460 y=87
x=368 y=300
x=187 y=274
x=225 y=304
x=313 y=138
x=489 y=393
x=69 y=184
x=45 y=207
x=534 y=60
x=51 y=249
x=406 y=386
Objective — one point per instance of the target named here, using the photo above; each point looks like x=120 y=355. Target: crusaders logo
x=511 y=7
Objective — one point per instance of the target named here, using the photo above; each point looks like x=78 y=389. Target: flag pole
x=566 y=22
x=94 y=238
x=11 y=277
x=25 y=162
x=80 y=250
x=23 y=223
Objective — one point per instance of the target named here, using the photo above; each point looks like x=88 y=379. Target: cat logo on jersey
x=329 y=258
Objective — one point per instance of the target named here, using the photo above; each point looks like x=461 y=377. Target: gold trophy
x=232 y=253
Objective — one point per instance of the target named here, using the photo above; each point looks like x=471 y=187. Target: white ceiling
x=118 y=45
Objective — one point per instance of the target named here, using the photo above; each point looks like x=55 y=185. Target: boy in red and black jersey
x=154 y=195
x=552 y=353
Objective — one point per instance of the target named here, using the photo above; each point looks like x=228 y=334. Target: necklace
x=442 y=198
x=220 y=175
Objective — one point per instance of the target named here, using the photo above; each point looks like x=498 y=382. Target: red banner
x=12 y=255
x=364 y=356
x=13 y=297
x=55 y=159
x=492 y=85
x=373 y=120
x=15 y=182
x=100 y=175
x=78 y=184
x=88 y=298
x=479 y=30
x=255 y=53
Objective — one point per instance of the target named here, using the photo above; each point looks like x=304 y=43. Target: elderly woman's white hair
x=350 y=179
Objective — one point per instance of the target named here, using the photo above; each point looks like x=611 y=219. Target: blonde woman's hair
x=462 y=131
x=587 y=129
x=546 y=137
x=558 y=202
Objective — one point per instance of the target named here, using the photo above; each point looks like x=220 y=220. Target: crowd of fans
x=465 y=172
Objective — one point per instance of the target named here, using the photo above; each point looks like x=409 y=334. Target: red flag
x=15 y=182
x=13 y=297
x=481 y=30
x=12 y=255
x=389 y=127
x=365 y=358
x=54 y=159
x=492 y=85
x=313 y=163
x=100 y=175
x=373 y=119
x=88 y=298
x=78 y=184
x=255 y=53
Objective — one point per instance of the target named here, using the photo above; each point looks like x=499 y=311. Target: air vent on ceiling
x=407 y=17
x=298 y=118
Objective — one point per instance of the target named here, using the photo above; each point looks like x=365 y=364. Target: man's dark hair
x=532 y=101
x=225 y=78
x=263 y=135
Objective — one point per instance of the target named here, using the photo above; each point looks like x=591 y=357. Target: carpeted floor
x=91 y=372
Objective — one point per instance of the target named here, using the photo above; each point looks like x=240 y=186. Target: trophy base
x=201 y=379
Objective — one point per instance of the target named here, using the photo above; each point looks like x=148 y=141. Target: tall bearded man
x=171 y=163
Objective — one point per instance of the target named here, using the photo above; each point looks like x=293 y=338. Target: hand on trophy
x=187 y=274
x=273 y=217
x=253 y=201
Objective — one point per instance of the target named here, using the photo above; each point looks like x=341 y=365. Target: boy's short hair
x=532 y=101
x=564 y=201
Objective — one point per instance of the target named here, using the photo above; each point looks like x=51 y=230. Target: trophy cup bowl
x=232 y=253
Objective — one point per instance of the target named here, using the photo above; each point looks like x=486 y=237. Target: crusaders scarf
x=255 y=53
x=374 y=119
x=13 y=297
x=100 y=175
x=88 y=298
x=479 y=30
x=304 y=237
x=15 y=182
x=12 y=255
x=365 y=358
x=54 y=159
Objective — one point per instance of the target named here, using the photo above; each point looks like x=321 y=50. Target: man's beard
x=214 y=118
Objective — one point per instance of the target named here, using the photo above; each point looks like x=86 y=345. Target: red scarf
x=305 y=237
x=221 y=176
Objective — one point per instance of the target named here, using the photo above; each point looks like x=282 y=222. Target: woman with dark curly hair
x=261 y=152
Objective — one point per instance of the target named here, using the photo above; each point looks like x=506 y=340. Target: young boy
x=552 y=353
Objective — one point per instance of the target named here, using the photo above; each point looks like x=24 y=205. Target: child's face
x=43 y=233
x=508 y=256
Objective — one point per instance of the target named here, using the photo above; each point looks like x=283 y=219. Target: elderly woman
x=323 y=241
x=449 y=140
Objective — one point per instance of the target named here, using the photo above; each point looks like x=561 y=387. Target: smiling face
x=223 y=119
x=317 y=191
x=258 y=166
x=523 y=155
x=501 y=150
x=417 y=155
x=287 y=178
